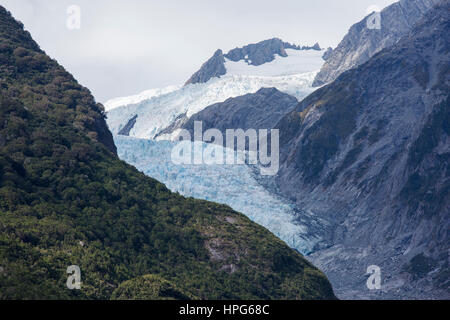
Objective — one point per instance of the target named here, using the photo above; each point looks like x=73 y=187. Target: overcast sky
x=126 y=46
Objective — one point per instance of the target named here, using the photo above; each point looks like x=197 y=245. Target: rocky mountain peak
x=214 y=67
x=255 y=54
x=362 y=42
x=370 y=153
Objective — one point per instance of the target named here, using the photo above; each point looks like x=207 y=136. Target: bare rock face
x=125 y=131
x=60 y=189
x=260 y=110
x=361 y=42
x=259 y=53
x=370 y=154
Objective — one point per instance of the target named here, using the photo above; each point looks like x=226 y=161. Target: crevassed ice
x=160 y=111
x=233 y=185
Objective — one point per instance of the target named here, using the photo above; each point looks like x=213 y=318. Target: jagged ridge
x=370 y=154
x=361 y=42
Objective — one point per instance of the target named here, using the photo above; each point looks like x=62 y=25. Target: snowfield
x=156 y=109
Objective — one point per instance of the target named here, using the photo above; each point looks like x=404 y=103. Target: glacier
x=237 y=186
x=147 y=94
x=233 y=185
x=297 y=62
x=156 y=109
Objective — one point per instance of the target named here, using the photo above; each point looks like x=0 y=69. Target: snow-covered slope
x=147 y=94
x=160 y=111
x=159 y=108
x=234 y=185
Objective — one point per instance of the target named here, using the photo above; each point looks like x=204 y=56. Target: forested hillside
x=66 y=199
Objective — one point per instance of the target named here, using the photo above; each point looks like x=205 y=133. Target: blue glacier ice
x=233 y=185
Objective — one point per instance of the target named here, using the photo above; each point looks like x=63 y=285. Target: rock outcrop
x=258 y=53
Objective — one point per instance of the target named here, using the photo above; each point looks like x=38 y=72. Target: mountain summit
x=267 y=64
x=253 y=54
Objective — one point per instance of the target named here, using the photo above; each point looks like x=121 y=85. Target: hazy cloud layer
x=127 y=46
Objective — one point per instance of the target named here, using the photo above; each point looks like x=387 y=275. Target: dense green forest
x=66 y=199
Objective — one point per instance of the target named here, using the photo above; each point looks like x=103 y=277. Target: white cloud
x=127 y=46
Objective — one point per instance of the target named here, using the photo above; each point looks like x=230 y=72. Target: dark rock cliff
x=370 y=154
